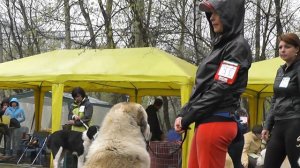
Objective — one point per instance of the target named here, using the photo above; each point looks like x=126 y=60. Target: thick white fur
x=121 y=140
x=261 y=159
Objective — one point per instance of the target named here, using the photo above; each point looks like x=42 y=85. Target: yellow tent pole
x=57 y=100
x=41 y=107
x=37 y=105
x=185 y=95
x=260 y=111
x=139 y=99
x=253 y=105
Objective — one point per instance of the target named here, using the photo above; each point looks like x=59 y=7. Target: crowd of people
x=221 y=79
x=11 y=115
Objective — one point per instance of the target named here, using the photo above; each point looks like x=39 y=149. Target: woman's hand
x=177 y=125
x=71 y=122
x=265 y=134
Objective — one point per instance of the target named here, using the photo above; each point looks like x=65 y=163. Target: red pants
x=210 y=144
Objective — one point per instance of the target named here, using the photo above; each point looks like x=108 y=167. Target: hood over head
x=14 y=100
x=232 y=16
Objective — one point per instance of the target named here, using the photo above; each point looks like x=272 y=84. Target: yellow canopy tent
x=260 y=85
x=133 y=71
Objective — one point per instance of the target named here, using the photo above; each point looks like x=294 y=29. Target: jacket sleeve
x=246 y=149
x=203 y=104
x=21 y=116
x=7 y=111
x=269 y=123
x=70 y=115
x=298 y=76
x=88 y=113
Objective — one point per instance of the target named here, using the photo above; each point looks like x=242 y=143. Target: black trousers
x=235 y=150
x=285 y=140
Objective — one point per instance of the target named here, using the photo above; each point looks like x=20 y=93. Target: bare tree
x=67 y=24
x=257 y=30
x=166 y=112
x=1 y=45
x=107 y=21
x=267 y=31
x=17 y=39
x=278 y=6
x=140 y=34
x=88 y=24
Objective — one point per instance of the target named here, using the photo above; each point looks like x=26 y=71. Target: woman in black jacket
x=220 y=80
x=284 y=116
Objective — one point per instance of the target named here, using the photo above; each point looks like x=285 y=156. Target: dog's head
x=92 y=132
x=136 y=114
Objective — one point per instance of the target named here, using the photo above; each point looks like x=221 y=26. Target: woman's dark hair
x=158 y=102
x=78 y=91
x=5 y=101
x=292 y=39
x=257 y=129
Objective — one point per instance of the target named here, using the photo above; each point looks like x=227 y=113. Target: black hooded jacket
x=210 y=96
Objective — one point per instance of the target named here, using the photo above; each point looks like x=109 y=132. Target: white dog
x=261 y=159
x=121 y=141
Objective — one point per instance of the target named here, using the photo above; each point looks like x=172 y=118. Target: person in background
x=3 y=126
x=4 y=105
x=236 y=147
x=173 y=136
x=252 y=147
x=17 y=116
x=157 y=133
x=283 y=119
x=80 y=116
x=220 y=80
x=81 y=110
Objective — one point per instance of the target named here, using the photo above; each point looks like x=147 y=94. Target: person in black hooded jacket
x=283 y=120
x=220 y=80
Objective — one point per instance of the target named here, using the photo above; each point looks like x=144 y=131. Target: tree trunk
x=257 y=30
x=12 y=30
x=166 y=112
x=140 y=33
x=107 y=22
x=148 y=20
x=278 y=24
x=265 y=39
x=89 y=24
x=1 y=45
x=67 y=24
x=182 y=30
x=27 y=28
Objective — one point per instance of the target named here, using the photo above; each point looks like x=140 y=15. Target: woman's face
x=78 y=98
x=14 y=104
x=288 y=52
x=5 y=105
x=216 y=22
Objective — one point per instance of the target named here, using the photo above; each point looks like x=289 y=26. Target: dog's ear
x=92 y=131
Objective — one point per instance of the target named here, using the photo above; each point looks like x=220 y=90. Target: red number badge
x=227 y=72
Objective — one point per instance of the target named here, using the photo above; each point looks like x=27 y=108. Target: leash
x=86 y=127
x=169 y=154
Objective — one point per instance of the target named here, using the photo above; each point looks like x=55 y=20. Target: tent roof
x=95 y=69
x=262 y=75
